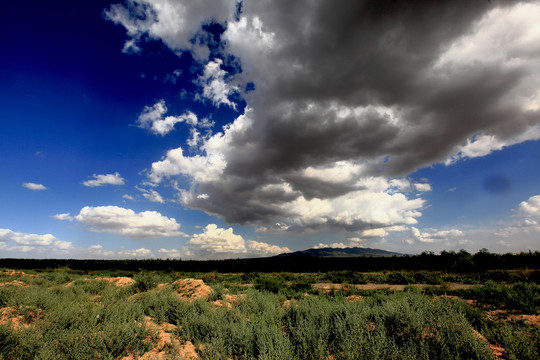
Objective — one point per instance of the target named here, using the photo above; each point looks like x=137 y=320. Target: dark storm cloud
x=384 y=85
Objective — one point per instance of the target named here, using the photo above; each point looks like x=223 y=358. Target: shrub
x=145 y=281
x=269 y=283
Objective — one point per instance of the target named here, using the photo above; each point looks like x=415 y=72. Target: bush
x=269 y=283
x=145 y=281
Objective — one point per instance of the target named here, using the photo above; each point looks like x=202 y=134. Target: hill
x=339 y=252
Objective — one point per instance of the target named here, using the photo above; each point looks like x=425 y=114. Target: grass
x=63 y=315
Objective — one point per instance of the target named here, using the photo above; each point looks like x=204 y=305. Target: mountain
x=337 y=252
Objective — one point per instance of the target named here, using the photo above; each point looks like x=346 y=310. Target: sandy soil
x=192 y=289
x=166 y=345
x=14 y=315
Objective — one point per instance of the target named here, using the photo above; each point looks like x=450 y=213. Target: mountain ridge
x=341 y=252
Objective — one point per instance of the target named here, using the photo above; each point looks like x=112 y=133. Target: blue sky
x=218 y=129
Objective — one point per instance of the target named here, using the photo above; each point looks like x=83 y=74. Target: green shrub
x=525 y=297
x=145 y=281
x=519 y=342
x=269 y=283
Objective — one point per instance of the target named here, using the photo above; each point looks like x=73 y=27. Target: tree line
x=459 y=262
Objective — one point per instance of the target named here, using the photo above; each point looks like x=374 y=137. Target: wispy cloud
x=34 y=186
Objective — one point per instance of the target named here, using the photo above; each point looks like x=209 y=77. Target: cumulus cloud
x=217 y=242
x=142 y=253
x=62 y=217
x=348 y=101
x=170 y=253
x=175 y=23
x=23 y=242
x=433 y=235
x=107 y=179
x=200 y=168
x=152 y=119
x=530 y=207
x=215 y=87
x=258 y=249
x=126 y=222
x=33 y=186
x=528 y=213
x=333 y=246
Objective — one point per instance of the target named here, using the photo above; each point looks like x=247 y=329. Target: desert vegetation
x=62 y=313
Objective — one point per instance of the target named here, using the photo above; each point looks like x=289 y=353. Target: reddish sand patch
x=167 y=346
x=514 y=316
x=14 y=283
x=22 y=316
x=116 y=281
x=17 y=273
x=354 y=298
x=191 y=289
x=287 y=304
x=497 y=351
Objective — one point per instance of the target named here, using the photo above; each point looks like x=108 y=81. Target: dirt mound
x=22 y=316
x=229 y=300
x=166 y=346
x=14 y=283
x=17 y=273
x=117 y=281
x=191 y=289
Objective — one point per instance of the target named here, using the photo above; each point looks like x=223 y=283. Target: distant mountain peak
x=340 y=252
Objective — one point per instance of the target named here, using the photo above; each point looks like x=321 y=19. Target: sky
x=232 y=129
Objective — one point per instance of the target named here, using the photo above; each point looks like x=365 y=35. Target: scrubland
x=67 y=314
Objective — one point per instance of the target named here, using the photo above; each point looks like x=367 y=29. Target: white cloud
x=107 y=179
x=215 y=88
x=34 y=186
x=127 y=197
x=422 y=187
x=530 y=207
x=64 y=216
x=433 y=235
x=170 y=253
x=200 y=168
x=125 y=222
x=97 y=251
x=256 y=248
x=152 y=119
x=482 y=145
x=175 y=23
x=357 y=242
x=333 y=245
x=141 y=253
x=151 y=195
x=528 y=212
x=24 y=242
x=381 y=232
x=217 y=242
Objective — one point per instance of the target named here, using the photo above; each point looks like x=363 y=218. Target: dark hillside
x=338 y=252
